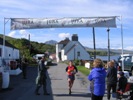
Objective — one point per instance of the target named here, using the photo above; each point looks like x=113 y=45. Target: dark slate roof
x=70 y=49
x=74 y=46
x=64 y=41
x=6 y=43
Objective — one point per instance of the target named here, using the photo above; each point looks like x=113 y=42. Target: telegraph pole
x=94 y=43
x=108 y=45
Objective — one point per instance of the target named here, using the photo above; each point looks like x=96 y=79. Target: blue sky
x=71 y=8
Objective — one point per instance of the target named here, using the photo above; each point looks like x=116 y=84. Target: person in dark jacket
x=132 y=71
x=111 y=79
x=97 y=77
x=122 y=81
x=24 y=67
x=42 y=76
x=121 y=84
x=115 y=64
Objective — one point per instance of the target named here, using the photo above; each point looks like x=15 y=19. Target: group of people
x=98 y=77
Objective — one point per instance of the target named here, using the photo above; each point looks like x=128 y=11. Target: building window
x=78 y=53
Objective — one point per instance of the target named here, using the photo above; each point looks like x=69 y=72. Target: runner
x=71 y=70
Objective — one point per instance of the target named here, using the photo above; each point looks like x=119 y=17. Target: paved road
x=23 y=89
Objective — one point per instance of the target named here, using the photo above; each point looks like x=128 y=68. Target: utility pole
x=108 y=45
x=94 y=43
x=29 y=44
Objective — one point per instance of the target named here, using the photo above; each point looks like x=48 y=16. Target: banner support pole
x=3 y=51
x=122 y=43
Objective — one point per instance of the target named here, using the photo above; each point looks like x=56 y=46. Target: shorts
x=71 y=77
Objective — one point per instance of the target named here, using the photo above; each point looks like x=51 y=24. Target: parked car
x=37 y=57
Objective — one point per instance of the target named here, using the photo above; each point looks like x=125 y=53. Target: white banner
x=34 y=23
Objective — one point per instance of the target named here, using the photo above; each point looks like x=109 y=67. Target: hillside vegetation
x=101 y=53
x=29 y=48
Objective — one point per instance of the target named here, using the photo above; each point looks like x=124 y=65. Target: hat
x=121 y=73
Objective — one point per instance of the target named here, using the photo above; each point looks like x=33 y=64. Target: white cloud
x=64 y=35
x=20 y=34
x=24 y=33
x=66 y=8
x=12 y=34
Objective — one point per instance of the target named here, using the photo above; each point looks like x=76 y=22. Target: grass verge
x=84 y=70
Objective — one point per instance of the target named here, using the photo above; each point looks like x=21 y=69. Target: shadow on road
x=23 y=89
x=76 y=94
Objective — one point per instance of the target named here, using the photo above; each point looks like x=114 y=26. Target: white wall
x=70 y=55
x=83 y=54
x=58 y=49
x=16 y=54
x=62 y=55
x=9 y=54
x=70 y=44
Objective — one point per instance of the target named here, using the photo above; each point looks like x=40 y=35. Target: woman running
x=71 y=70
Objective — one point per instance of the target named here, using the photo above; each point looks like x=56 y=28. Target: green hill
x=29 y=48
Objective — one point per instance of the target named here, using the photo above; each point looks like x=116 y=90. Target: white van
x=38 y=56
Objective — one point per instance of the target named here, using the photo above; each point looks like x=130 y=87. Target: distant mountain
x=51 y=42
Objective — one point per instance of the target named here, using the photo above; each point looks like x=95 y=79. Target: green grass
x=83 y=70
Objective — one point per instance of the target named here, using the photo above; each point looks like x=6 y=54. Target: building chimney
x=74 y=37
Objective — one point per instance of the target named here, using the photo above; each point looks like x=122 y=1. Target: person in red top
x=71 y=70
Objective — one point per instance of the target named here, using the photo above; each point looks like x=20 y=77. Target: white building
x=71 y=50
x=9 y=57
x=8 y=64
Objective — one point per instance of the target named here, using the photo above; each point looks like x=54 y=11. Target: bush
x=76 y=62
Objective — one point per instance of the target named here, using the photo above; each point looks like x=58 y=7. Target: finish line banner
x=36 y=23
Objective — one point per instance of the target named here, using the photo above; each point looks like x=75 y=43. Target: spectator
x=119 y=68
x=111 y=79
x=122 y=81
x=132 y=71
x=97 y=78
x=115 y=64
x=42 y=76
x=24 y=67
